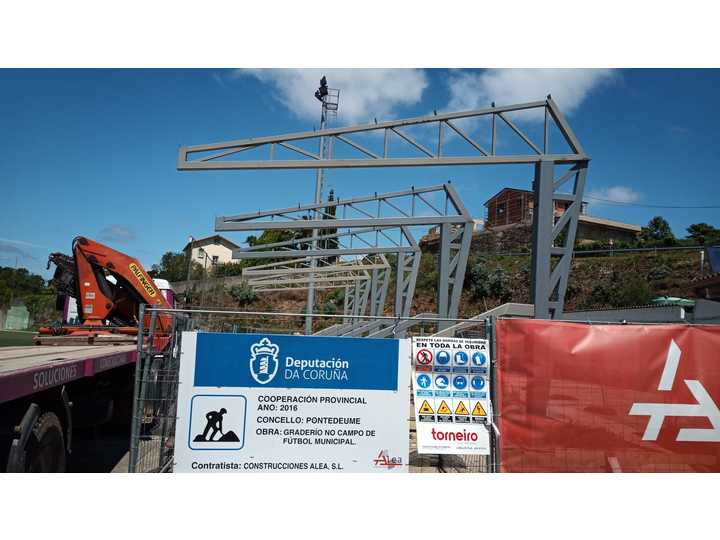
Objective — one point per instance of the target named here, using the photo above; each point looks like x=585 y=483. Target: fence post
x=494 y=442
x=135 y=428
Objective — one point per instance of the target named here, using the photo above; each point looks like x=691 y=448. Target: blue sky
x=93 y=152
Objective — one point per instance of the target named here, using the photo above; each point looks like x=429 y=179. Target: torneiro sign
x=250 y=402
x=452 y=399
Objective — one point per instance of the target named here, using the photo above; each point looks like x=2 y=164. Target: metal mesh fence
x=157 y=377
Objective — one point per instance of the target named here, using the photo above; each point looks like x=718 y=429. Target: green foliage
x=5 y=295
x=657 y=233
x=174 y=267
x=230 y=269
x=19 y=285
x=272 y=236
x=617 y=292
x=336 y=296
x=21 y=282
x=703 y=233
x=243 y=294
x=487 y=281
x=41 y=308
x=661 y=271
x=427 y=272
x=329 y=308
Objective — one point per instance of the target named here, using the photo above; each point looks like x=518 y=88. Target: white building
x=211 y=250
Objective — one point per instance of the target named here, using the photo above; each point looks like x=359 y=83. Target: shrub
x=488 y=282
x=243 y=294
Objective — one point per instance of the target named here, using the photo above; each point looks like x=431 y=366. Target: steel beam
x=548 y=283
x=370 y=163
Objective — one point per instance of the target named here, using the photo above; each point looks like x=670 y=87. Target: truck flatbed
x=26 y=370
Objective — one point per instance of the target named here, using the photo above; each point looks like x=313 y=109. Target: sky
x=93 y=152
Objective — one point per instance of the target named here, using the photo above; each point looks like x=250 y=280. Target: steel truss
x=378 y=214
x=550 y=262
x=363 y=279
x=374 y=243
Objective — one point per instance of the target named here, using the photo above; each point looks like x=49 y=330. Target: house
x=211 y=250
x=477 y=226
x=512 y=207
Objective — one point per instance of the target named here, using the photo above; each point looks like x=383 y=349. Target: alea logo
x=264 y=362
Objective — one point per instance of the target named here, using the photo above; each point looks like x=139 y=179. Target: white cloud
x=117 y=233
x=617 y=194
x=365 y=94
x=569 y=88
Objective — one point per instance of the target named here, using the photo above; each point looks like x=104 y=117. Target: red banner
x=577 y=397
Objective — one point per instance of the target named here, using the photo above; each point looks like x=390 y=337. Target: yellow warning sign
x=425 y=408
x=444 y=409
x=478 y=410
x=461 y=409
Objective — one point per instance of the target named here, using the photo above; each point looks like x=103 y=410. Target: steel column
x=543 y=218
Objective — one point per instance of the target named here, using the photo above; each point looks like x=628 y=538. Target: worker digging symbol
x=214 y=424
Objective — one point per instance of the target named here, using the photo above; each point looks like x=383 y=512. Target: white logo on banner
x=705 y=406
x=264 y=363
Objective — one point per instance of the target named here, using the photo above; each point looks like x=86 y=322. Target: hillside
x=491 y=280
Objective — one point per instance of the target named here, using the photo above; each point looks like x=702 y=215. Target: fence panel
x=156 y=381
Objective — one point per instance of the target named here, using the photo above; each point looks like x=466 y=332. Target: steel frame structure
x=407 y=253
x=550 y=263
x=377 y=213
x=363 y=280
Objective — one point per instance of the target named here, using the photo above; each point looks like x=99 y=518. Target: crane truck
x=77 y=374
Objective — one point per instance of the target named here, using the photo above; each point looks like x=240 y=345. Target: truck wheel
x=46 y=446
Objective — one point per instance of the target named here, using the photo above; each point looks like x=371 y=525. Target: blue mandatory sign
x=441 y=381
x=280 y=361
x=442 y=358
x=460 y=382
x=461 y=358
x=478 y=383
x=478 y=359
x=423 y=380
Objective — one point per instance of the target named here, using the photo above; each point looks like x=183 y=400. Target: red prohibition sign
x=424 y=356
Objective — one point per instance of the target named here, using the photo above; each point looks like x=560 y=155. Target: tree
x=5 y=295
x=174 y=267
x=657 y=232
x=271 y=236
x=703 y=233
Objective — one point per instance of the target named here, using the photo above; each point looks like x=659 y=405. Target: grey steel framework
x=363 y=279
x=373 y=242
x=549 y=275
x=377 y=215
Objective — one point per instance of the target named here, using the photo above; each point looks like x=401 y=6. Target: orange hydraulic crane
x=105 y=306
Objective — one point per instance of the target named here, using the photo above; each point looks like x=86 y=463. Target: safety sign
x=451 y=386
x=425 y=408
x=443 y=408
x=461 y=409
x=256 y=403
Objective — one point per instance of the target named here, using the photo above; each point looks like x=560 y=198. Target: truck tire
x=46 y=446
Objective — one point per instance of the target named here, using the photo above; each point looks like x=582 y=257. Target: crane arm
x=100 y=300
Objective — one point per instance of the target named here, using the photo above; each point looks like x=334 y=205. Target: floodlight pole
x=318 y=199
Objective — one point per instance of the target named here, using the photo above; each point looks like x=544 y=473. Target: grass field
x=11 y=338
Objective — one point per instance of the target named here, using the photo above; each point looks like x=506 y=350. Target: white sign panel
x=277 y=403
x=452 y=395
